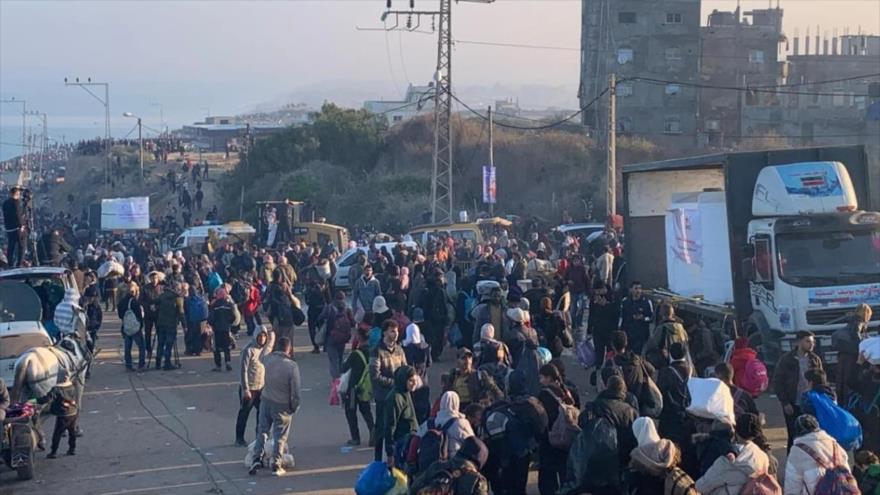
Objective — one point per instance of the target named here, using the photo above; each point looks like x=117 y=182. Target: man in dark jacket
x=672 y=382
x=169 y=313
x=635 y=370
x=789 y=382
x=611 y=404
x=63 y=405
x=54 y=248
x=433 y=303
x=636 y=312
x=603 y=319
x=530 y=425
x=150 y=302
x=14 y=224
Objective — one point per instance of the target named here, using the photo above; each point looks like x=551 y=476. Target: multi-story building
x=657 y=40
x=418 y=100
x=827 y=99
x=736 y=52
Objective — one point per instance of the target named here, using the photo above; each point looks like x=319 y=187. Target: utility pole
x=43 y=140
x=441 y=173
x=106 y=102
x=611 y=199
x=491 y=158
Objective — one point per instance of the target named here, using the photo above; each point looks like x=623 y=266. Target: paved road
x=173 y=432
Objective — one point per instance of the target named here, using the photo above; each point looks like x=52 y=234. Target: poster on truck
x=125 y=213
x=688 y=244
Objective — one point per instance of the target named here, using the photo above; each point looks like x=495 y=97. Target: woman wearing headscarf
x=398 y=419
x=221 y=316
x=489 y=350
x=651 y=460
x=811 y=453
x=451 y=421
x=418 y=355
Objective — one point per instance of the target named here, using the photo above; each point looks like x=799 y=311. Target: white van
x=343 y=265
x=194 y=238
x=20 y=325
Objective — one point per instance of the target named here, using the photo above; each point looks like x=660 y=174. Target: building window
x=397 y=118
x=673 y=18
x=840 y=100
x=756 y=56
x=672 y=125
x=624 y=89
x=624 y=55
x=673 y=54
x=713 y=125
x=626 y=17
x=860 y=102
x=624 y=125
x=673 y=89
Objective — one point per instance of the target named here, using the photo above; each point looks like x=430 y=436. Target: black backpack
x=446 y=481
x=432 y=446
x=239 y=292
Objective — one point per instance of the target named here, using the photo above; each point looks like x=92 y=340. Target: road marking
x=305 y=472
x=163 y=387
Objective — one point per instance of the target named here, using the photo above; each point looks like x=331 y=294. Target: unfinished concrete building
x=657 y=40
x=743 y=53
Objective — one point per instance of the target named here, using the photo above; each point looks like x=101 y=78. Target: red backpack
x=754 y=379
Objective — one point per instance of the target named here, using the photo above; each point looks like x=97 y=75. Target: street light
x=140 y=139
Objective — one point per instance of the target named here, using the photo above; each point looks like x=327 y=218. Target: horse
x=36 y=370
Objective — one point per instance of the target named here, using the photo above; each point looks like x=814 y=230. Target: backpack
x=678 y=482
x=837 y=480
x=763 y=484
x=755 y=379
x=565 y=428
x=239 y=293
x=498 y=420
x=836 y=421
x=130 y=323
x=432 y=446
x=196 y=309
x=445 y=482
x=340 y=332
x=470 y=302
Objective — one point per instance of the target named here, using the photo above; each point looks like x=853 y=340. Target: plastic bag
x=836 y=421
x=711 y=399
x=586 y=353
x=375 y=479
x=344 y=383
x=455 y=336
x=334 y=392
x=401 y=484
x=870 y=348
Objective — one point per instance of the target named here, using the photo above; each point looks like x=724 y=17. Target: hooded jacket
x=67 y=312
x=459 y=429
x=651 y=459
x=170 y=309
x=802 y=472
x=282 y=381
x=253 y=372
x=726 y=476
x=399 y=414
x=384 y=362
x=614 y=407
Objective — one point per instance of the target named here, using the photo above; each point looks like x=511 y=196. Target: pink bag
x=334 y=392
x=755 y=379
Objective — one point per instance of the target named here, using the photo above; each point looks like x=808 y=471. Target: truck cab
x=811 y=257
x=810 y=272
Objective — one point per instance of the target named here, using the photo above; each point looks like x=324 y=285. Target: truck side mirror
x=747 y=269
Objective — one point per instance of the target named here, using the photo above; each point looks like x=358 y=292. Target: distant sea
x=10 y=136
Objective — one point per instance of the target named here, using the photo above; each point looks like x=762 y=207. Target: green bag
x=364 y=387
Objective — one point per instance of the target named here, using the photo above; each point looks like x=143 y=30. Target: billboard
x=125 y=213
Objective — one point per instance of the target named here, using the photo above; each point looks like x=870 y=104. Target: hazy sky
x=228 y=56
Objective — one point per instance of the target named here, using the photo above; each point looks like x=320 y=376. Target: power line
x=816 y=83
x=535 y=128
x=740 y=136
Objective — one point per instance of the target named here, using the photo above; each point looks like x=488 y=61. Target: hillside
x=84 y=184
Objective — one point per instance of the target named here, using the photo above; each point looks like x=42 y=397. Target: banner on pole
x=489 y=186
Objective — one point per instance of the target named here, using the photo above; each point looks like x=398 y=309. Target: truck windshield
x=829 y=258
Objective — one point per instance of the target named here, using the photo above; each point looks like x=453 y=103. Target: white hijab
x=413 y=335
x=449 y=403
x=645 y=431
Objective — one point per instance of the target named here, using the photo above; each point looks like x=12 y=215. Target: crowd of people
x=506 y=405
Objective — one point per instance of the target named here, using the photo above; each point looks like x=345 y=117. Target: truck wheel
x=26 y=472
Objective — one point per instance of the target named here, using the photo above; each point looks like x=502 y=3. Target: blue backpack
x=196 y=309
x=836 y=421
x=375 y=479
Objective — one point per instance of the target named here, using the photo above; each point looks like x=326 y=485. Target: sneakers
x=254 y=466
x=215 y=368
x=71 y=452
x=277 y=470
x=52 y=455
x=240 y=442
x=228 y=367
x=353 y=443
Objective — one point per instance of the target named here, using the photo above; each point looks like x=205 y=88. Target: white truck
x=773 y=241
